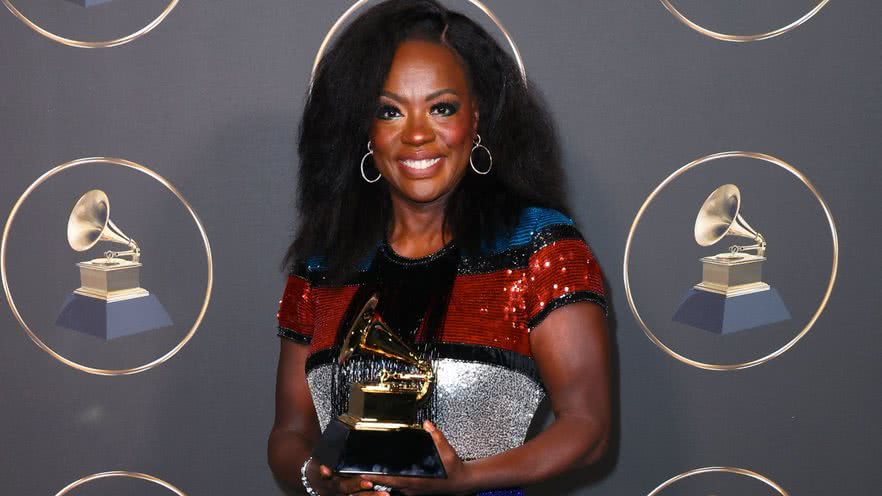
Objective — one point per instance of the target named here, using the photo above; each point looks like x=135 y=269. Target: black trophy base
x=407 y=452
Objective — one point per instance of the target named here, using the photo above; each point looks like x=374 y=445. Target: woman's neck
x=417 y=230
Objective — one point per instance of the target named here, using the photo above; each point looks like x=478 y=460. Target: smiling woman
x=456 y=219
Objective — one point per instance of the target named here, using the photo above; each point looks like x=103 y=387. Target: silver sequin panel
x=482 y=409
x=319 y=380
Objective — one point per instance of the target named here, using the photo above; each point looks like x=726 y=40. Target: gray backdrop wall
x=211 y=100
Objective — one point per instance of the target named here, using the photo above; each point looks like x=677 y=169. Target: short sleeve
x=562 y=270
x=296 y=309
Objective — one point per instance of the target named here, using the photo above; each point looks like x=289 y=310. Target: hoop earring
x=471 y=161
x=366 y=155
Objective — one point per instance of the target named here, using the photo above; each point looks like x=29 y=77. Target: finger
x=441 y=442
x=372 y=493
x=399 y=483
x=325 y=472
x=353 y=485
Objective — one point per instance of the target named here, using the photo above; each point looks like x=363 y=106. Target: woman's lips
x=420 y=167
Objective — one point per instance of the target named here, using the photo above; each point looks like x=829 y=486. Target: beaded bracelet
x=309 y=490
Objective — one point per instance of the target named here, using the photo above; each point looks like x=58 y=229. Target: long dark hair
x=341 y=216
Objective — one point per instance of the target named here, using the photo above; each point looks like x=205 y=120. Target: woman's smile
x=420 y=164
x=421 y=168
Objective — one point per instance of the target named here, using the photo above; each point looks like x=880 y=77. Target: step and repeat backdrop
x=722 y=161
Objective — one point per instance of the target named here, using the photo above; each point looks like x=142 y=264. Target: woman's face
x=425 y=121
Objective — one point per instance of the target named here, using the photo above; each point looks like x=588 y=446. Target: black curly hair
x=341 y=216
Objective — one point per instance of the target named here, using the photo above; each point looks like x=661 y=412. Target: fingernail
x=428 y=426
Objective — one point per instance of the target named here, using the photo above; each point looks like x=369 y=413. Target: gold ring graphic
x=742 y=38
x=91 y=44
x=3 y=274
x=679 y=172
x=123 y=474
x=361 y=3
x=728 y=470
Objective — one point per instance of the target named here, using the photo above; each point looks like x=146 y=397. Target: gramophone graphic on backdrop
x=731 y=296
x=110 y=302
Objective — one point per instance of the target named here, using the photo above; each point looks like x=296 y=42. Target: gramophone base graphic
x=109 y=303
x=731 y=296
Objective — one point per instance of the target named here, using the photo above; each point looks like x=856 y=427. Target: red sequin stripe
x=295 y=308
x=489 y=309
x=331 y=304
x=559 y=268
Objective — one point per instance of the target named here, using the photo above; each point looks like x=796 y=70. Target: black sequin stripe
x=490 y=355
x=293 y=335
x=299 y=268
x=456 y=351
x=552 y=233
x=319 y=358
x=566 y=299
x=519 y=256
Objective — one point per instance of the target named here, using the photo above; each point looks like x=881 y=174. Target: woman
x=430 y=176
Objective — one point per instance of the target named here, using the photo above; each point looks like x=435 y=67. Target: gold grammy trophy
x=731 y=295
x=379 y=434
x=110 y=301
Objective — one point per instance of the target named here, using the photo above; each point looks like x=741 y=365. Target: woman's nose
x=417 y=132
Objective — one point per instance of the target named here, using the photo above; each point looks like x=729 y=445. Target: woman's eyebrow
x=393 y=96
x=430 y=96
x=436 y=94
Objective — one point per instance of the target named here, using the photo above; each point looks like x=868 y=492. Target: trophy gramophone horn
x=372 y=335
x=90 y=223
x=719 y=217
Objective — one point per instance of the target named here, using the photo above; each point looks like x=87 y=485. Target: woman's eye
x=445 y=109
x=387 y=112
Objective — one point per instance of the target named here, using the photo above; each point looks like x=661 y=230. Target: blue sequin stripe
x=533 y=219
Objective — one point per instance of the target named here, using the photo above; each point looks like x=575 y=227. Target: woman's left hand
x=457 y=481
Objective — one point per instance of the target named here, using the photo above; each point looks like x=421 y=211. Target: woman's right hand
x=325 y=483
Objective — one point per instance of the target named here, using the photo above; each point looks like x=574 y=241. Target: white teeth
x=421 y=164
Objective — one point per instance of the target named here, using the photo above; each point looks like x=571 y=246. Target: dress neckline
x=390 y=253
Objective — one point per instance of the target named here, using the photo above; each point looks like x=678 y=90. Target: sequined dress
x=471 y=314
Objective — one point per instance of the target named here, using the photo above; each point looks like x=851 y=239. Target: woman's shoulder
x=536 y=226
x=315 y=269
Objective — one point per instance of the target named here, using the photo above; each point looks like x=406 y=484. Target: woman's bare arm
x=296 y=427
x=571 y=349
x=296 y=431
